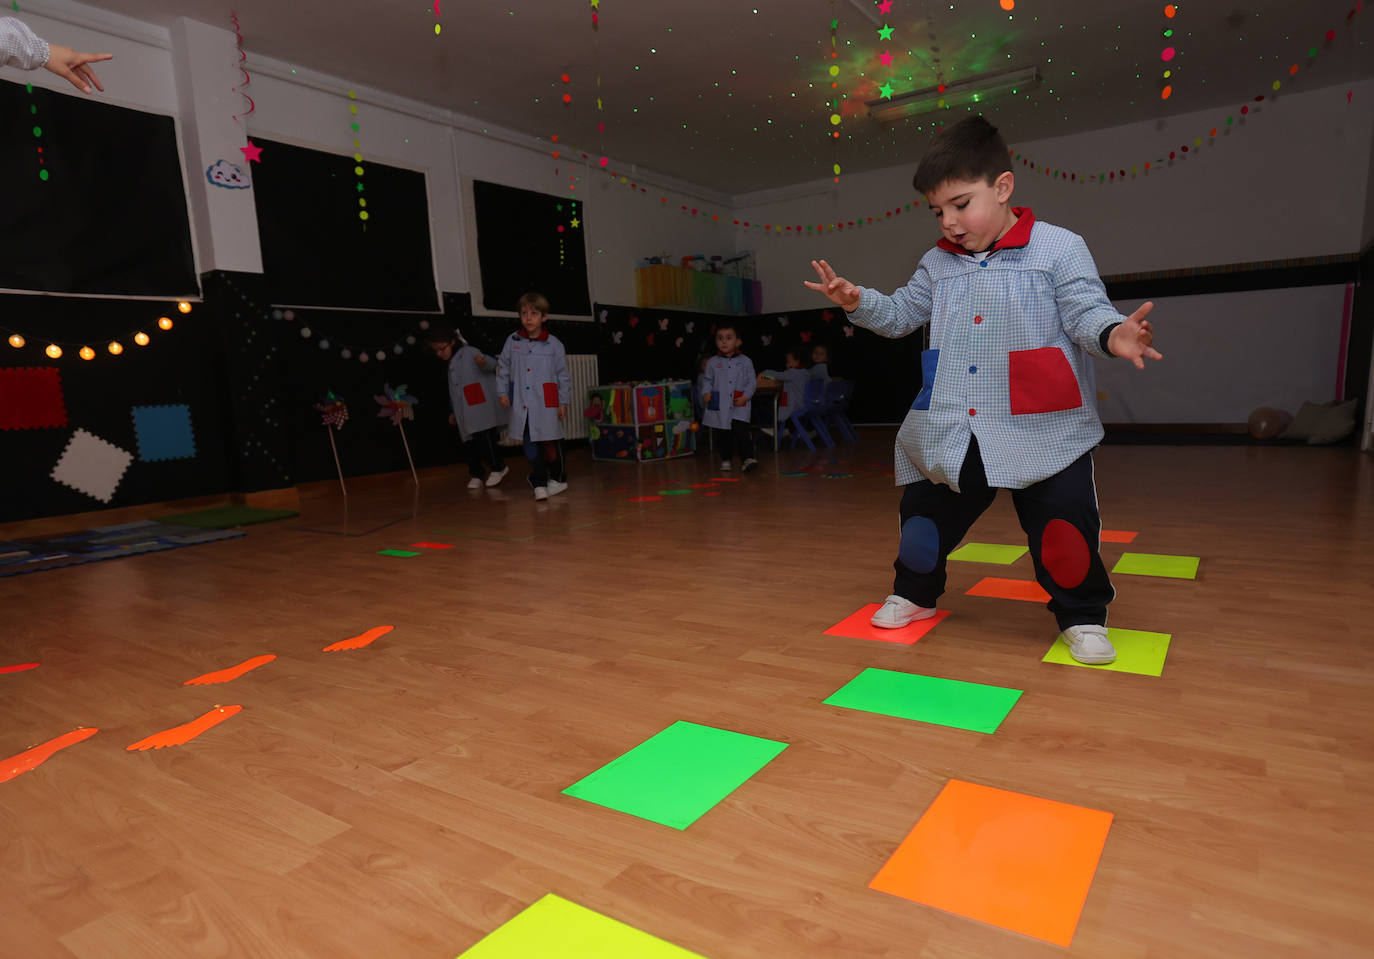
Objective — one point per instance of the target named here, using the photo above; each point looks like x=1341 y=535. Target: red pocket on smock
x=739 y=394
x=1042 y=381
x=473 y=394
x=551 y=395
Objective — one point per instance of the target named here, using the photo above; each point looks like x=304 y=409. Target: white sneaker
x=498 y=476
x=556 y=487
x=541 y=492
x=748 y=464
x=897 y=611
x=766 y=430
x=726 y=466
x=474 y=483
x=1089 y=644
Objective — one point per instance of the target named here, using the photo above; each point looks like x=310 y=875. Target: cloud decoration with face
x=228 y=175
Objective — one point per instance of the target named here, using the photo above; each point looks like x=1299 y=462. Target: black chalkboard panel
x=110 y=215
x=316 y=251
x=522 y=249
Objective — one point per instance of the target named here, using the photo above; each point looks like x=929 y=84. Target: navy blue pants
x=1059 y=515
x=546 y=460
x=739 y=437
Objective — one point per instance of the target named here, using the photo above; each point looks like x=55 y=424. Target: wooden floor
x=403 y=800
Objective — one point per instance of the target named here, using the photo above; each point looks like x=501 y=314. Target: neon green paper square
x=1156 y=564
x=998 y=553
x=927 y=699
x=677 y=775
x=556 y=927
x=1137 y=651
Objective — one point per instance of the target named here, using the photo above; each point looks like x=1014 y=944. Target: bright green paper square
x=927 y=699
x=403 y=553
x=557 y=927
x=1136 y=652
x=1156 y=564
x=676 y=776
x=988 y=553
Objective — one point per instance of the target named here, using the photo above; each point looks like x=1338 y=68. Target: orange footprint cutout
x=178 y=735
x=38 y=755
x=233 y=672
x=359 y=641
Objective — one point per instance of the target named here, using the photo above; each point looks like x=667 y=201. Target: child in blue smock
x=532 y=379
x=726 y=393
x=820 y=362
x=472 y=396
x=793 y=380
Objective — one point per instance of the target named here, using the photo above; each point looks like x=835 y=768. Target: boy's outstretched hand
x=75 y=67
x=1131 y=340
x=839 y=290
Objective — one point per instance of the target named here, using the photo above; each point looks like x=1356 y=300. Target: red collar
x=543 y=333
x=1018 y=235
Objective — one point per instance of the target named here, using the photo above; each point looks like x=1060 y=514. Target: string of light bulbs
x=54 y=348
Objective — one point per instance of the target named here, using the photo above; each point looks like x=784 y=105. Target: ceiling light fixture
x=974 y=90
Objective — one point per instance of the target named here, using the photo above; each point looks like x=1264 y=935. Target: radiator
x=583 y=369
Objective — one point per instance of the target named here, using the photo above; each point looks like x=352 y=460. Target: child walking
x=532 y=379
x=729 y=386
x=472 y=396
x=1006 y=401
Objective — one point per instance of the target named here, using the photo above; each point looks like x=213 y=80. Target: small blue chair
x=837 y=395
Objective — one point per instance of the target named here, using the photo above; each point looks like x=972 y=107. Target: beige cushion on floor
x=1335 y=424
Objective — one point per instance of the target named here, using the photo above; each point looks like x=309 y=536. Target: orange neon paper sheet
x=38 y=755
x=1118 y=536
x=857 y=626
x=998 y=588
x=1015 y=861
x=359 y=641
x=233 y=672
x=180 y=735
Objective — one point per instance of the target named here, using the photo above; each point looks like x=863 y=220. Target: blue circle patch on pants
x=919 y=548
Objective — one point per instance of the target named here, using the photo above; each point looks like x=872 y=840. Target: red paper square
x=857 y=626
x=31 y=398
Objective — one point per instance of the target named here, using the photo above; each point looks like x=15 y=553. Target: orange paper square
x=1019 y=862
x=1118 y=536
x=998 y=588
x=857 y=626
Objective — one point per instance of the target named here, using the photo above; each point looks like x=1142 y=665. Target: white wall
x=1290 y=180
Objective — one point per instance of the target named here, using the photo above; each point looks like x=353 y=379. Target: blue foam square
x=164 y=432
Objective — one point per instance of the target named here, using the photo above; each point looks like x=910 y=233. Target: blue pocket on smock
x=930 y=360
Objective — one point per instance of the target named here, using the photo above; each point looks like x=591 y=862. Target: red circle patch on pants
x=1064 y=553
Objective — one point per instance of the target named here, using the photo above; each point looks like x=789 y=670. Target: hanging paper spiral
x=243 y=58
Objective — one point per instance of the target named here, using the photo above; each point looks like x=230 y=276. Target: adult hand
x=839 y=290
x=66 y=62
x=1131 y=340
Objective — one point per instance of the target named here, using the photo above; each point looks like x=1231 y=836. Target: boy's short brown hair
x=972 y=149
x=535 y=301
x=441 y=333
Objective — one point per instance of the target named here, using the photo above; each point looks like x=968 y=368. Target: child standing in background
x=472 y=396
x=532 y=379
x=728 y=388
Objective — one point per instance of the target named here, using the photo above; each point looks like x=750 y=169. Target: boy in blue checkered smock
x=1015 y=308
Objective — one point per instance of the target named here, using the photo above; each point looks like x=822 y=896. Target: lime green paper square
x=676 y=776
x=1136 y=652
x=557 y=927
x=927 y=699
x=988 y=553
x=402 y=553
x=1156 y=564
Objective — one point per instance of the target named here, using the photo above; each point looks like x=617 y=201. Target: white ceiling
x=734 y=95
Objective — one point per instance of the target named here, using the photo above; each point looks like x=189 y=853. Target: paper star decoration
x=885 y=7
x=885 y=32
x=886 y=91
x=596 y=4
x=252 y=152
x=576 y=223
x=886 y=58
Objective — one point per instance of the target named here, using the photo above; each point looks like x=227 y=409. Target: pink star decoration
x=885 y=7
x=886 y=58
x=252 y=152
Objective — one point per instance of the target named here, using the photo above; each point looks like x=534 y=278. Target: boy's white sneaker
x=748 y=464
x=497 y=476
x=726 y=466
x=898 y=611
x=541 y=492
x=556 y=487
x=1089 y=644
x=474 y=483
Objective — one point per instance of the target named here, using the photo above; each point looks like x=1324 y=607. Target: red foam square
x=999 y=588
x=31 y=398
x=431 y=546
x=857 y=626
x=1118 y=536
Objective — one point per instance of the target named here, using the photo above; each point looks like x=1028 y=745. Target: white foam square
x=91 y=465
